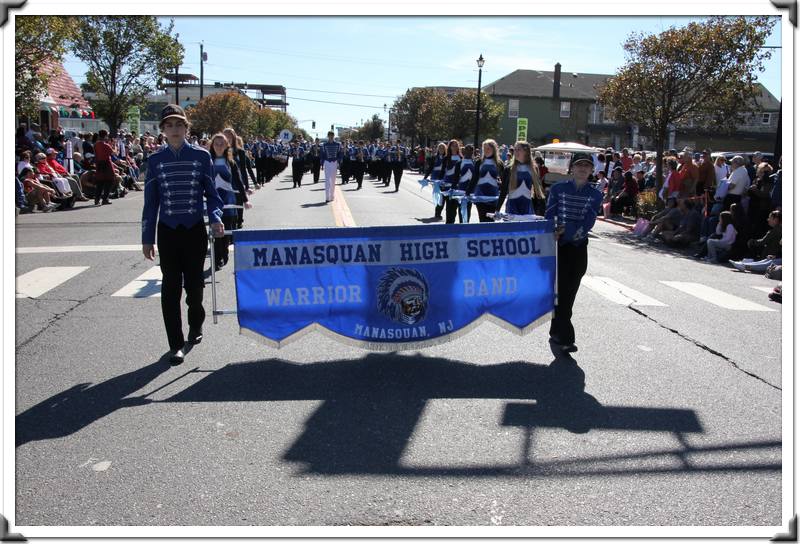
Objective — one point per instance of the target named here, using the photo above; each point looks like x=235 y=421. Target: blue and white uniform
x=174 y=189
x=574 y=208
x=519 y=200
x=331 y=153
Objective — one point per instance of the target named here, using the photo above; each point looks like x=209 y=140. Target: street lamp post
x=480 y=62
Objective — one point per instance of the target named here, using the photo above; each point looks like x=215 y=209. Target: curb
x=617 y=223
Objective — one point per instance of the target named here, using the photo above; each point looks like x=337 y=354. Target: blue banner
x=393 y=288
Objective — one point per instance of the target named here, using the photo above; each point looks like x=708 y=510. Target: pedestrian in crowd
x=58 y=170
x=331 y=155
x=707 y=176
x=485 y=185
x=104 y=175
x=738 y=182
x=179 y=175
x=259 y=155
x=231 y=190
x=688 y=175
x=573 y=205
x=721 y=170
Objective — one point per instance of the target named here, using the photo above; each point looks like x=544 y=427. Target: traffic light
x=313 y=124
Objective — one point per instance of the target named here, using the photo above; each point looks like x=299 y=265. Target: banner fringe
x=396 y=346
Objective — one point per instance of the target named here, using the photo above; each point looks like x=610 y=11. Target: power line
x=337 y=103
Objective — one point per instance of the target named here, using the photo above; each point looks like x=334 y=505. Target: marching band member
x=240 y=157
x=260 y=156
x=359 y=163
x=331 y=155
x=466 y=174
x=314 y=156
x=398 y=162
x=573 y=204
x=485 y=188
x=298 y=154
x=435 y=173
x=520 y=183
x=451 y=167
x=178 y=175
x=348 y=152
x=228 y=182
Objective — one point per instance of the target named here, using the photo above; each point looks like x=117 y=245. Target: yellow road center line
x=341 y=211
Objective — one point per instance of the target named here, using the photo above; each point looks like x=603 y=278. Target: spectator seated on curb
x=688 y=230
x=37 y=194
x=59 y=170
x=717 y=246
x=770 y=266
x=24 y=162
x=770 y=243
x=625 y=201
x=46 y=174
x=667 y=219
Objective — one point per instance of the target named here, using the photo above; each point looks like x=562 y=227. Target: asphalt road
x=669 y=415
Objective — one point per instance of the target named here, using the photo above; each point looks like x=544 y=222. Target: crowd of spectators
x=54 y=172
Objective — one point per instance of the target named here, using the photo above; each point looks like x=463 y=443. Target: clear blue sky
x=322 y=58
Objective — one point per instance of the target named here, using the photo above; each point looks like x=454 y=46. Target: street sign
x=133 y=119
x=286 y=135
x=522 y=129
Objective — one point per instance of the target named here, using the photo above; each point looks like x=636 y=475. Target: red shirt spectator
x=56 y=166
x=102 y=151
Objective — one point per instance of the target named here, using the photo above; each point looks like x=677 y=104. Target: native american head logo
x=403 y=295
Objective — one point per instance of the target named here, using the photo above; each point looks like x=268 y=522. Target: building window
x=766 y=118
x=565 y=107
x=513 y=108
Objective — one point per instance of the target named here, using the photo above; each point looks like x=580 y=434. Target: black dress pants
x=297 y=172
x=398 y=174
x=572 y=261
x=485 y=208
x=315 y=164
x=182 y=254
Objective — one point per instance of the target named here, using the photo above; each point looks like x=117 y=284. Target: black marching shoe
x=566 y=348
x=177 y=357
x=195 y=336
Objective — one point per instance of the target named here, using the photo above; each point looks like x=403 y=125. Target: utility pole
x=202 y=59
x=176 y=85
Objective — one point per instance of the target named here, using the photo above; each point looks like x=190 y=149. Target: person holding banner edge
x=178 y=176
x=573 y=204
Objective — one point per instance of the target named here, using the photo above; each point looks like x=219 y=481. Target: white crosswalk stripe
x=145 y=286
x=618 y=293
x=762 y=288
x=716 y=297
x=39 y=281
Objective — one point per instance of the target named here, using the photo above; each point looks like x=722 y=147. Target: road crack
x=704 y=347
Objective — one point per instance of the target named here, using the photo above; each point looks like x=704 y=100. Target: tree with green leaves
x=230 y=109
x=408 y=111
x=462 y=116
x=126 y=56
x=372 y=129
x=38 y=39
x=704 y=72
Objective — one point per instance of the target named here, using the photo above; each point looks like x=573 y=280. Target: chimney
x=557 y=81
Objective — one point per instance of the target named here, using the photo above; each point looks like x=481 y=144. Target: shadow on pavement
x=429 y=220
x=313 y=204
x=83 y=404
x=372 y=405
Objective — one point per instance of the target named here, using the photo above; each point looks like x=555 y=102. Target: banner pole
x=213 y=279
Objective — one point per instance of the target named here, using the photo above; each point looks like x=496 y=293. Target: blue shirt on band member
x=574 y=208
x=174 y=189
x=331 y=151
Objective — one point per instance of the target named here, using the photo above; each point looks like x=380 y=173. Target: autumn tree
x=462 y=116
x=39 y=40
x=126 y=56
x=704 y=73
x=372 y=129
x=408 y=111
x=435 y=116
x=230 y=109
